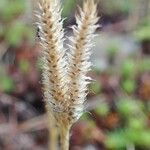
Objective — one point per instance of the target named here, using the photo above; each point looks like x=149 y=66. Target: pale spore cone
x=54 y=61
x=79 y=56
x=65 y=82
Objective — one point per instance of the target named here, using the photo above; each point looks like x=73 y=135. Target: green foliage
x=134 y=130
x=129 y=85
x=68 y=7
x=116 y=140
x=145 y=138
x=144 y=65
x=121 y=139
x=128 y=107
x=136 y=123
x=12 y=29
x=95 y=87
x=103 y=109
x=6 y=83
x=113 y=49
x=143 y=33
x=117 y=6
x=10 y=9
x=24 y=66
x=139 y=137
x=128 y=68
x=17 y=32
x=85 y=116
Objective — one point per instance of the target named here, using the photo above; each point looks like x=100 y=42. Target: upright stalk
x=64 y=138
x=53 y=134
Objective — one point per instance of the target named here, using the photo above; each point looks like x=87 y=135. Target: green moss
x=95 y=87
x=129 y=85
x=6 y=83
x=128 y=68
x=17 y=32
x=103 y=109
x=10 y=9
x=116 y=140
x=129 y=107
x=143 y=33
x=24 y=66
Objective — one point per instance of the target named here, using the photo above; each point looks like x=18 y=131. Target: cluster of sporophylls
x=64 y=73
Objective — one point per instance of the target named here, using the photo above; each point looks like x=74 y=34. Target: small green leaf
x=143 y=33
x=17 y=32
x=68 y=7
x=95 y=87
x=85 y=116
x=12 y=9
x=139 y=137
x=129 y=85
x=144 y=65
x=145 y=138
x=128 y=68
x=24 y=66
x=128 y=107
x=6 y=84
x=133 y=135
x=102 y=109
x=116 y=140
x=138 y=123
x=113 y=49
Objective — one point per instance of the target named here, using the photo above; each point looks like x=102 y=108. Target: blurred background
x=118 y=105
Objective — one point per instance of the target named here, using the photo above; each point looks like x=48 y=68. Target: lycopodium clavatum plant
x=64 y=73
